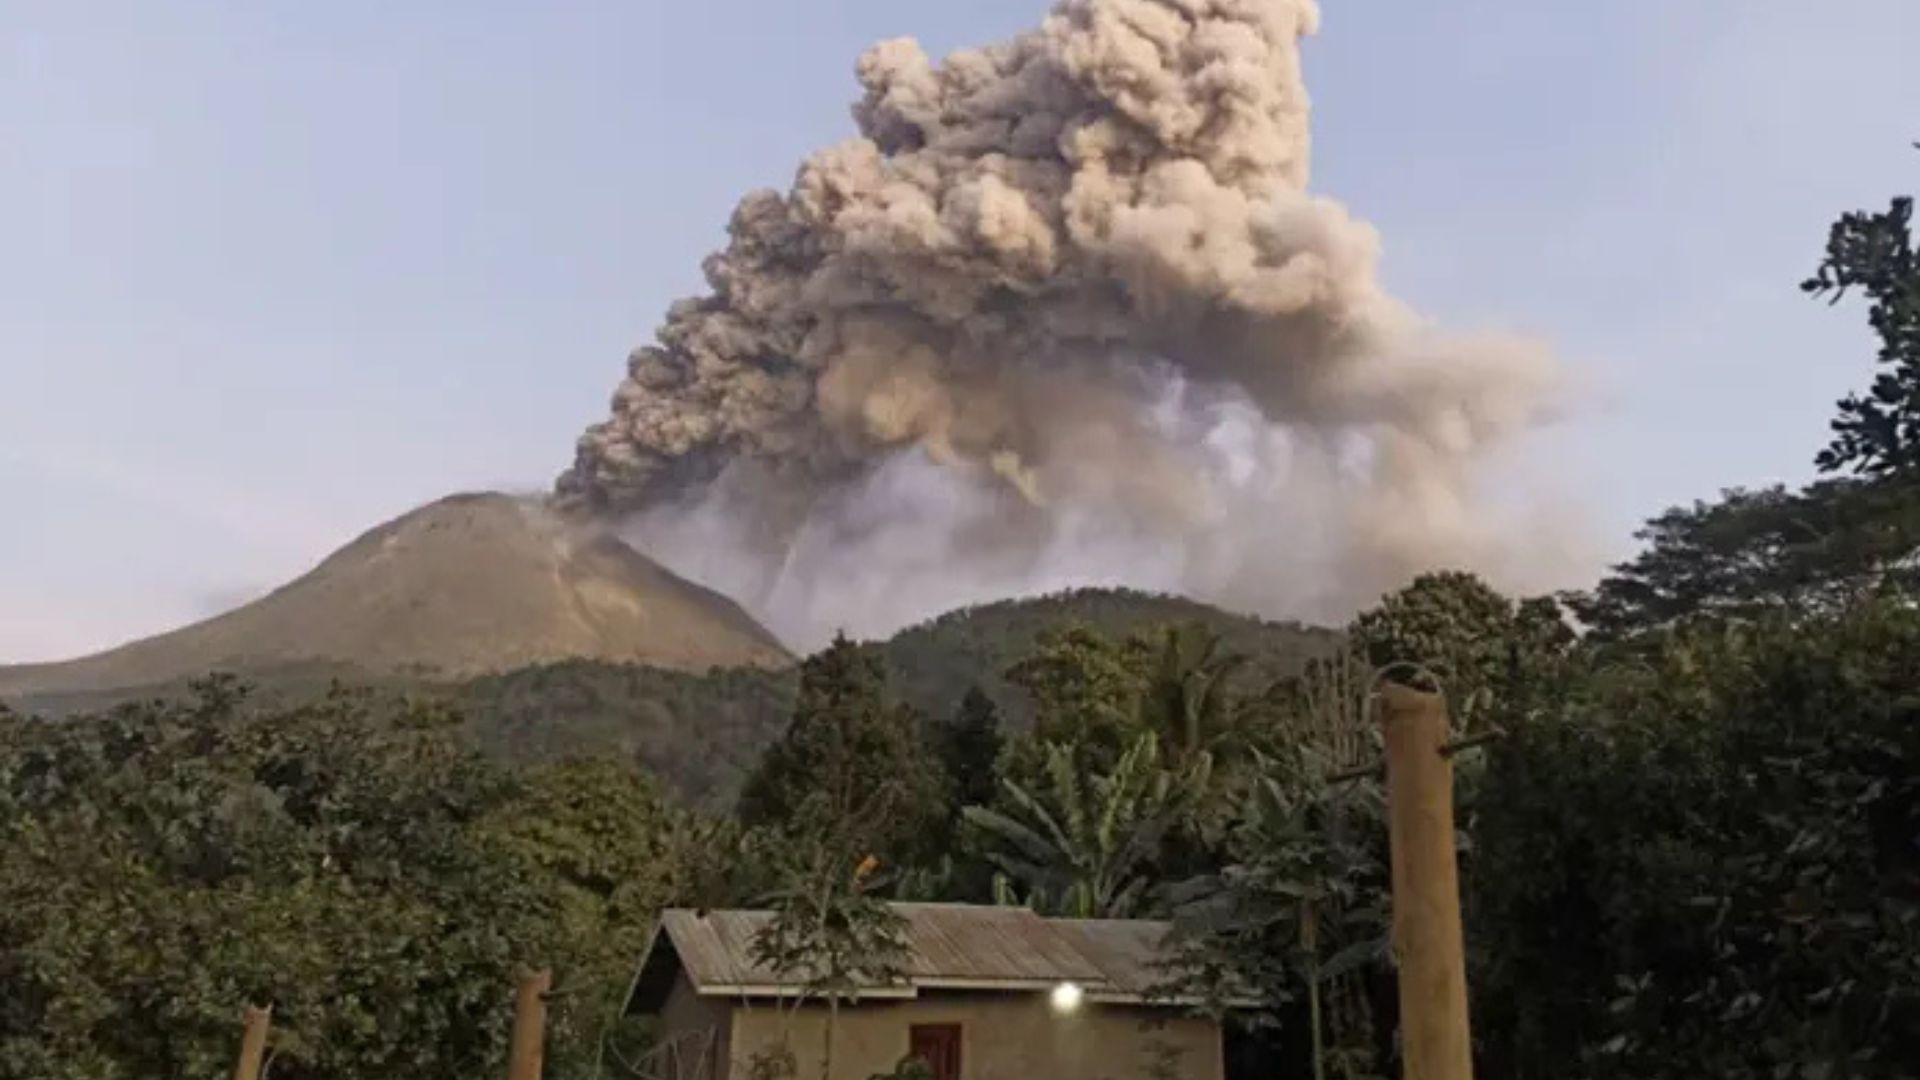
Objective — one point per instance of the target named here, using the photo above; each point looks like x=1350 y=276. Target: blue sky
x=272 y=271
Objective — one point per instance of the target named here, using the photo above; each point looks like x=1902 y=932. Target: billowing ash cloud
x=1063 y=311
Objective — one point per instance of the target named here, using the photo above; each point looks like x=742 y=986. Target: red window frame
x=939 y=1046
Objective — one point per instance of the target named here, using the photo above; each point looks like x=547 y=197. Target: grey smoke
x=1063 y=312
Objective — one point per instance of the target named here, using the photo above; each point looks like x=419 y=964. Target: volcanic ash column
x=1064 y=311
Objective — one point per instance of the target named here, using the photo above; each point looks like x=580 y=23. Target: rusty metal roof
x=949 y=946
x=1127 y=951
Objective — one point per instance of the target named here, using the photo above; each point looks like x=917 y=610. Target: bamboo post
x=529 y=1026
x=253 y=1042
x=1427 y=936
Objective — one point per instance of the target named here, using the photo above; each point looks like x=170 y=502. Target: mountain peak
x=471 y=583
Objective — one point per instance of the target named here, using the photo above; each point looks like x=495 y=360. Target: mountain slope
x=702 y=733
x=468 y=585
x=934 y=663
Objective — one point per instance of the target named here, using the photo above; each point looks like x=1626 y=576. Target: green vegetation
x=935 y=664
x=848 y=783
x=163 y=865
x=1696 y=852
x=700 y=734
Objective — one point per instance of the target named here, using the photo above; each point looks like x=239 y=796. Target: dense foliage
x=701 y=734
x=164 y=865
x=933 y=665
x=1715 y=850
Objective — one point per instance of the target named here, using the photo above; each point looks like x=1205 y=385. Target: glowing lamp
x=1066 y=997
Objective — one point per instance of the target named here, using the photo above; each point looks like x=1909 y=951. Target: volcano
x=471 y=584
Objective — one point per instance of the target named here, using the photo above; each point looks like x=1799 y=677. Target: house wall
x=1004 y=1036
x=686 y=1021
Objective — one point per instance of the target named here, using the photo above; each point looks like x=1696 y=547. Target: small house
x=990 y=993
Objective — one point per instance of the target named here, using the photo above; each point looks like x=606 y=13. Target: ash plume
x=1064 y=311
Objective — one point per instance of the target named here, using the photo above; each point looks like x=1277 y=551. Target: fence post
x=253 y=1043
x=1427 y=936
x=529 y=1026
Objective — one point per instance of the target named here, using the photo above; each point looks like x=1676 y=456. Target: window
x=939 y=1046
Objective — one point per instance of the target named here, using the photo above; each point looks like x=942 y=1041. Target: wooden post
x=529 y=1026
x=253 y=1043
x=1427 y=936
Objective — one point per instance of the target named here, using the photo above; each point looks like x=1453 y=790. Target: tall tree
x=1085 y=688
x=1751 y=553
x=1818 y=549
x=968 y=745
x=1878 y=433
x=848 y=788
x=850 y=763
x=1475 y=641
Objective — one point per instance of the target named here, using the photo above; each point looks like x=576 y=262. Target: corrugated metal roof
x=1127 y=951
x=949 y=946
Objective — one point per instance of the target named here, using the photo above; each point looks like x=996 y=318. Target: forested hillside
x=934 y=664
x=700 y=733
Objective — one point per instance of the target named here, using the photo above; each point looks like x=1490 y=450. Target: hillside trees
x=852 y=760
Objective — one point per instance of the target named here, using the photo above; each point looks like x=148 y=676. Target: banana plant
x=1083 y=846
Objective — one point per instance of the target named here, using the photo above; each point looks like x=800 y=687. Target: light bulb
x=1066 y=997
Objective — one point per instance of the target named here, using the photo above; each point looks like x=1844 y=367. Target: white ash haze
x=1064 y=312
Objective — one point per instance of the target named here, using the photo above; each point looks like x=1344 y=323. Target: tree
x=597 y=834
x=1878 y=434
x=847 y=786
x=1818 y=549
x=1477 y=642
x=830 y=930
x=1299 y=906
x=849 y=763
x=163 y=865
x=1189 y=700
x=1085 y=687
x=1753 y=553
x=968 y=746
x=1085 y=845
x=1709 y=845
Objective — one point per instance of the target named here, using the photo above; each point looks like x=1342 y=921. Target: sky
x=273 y=271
